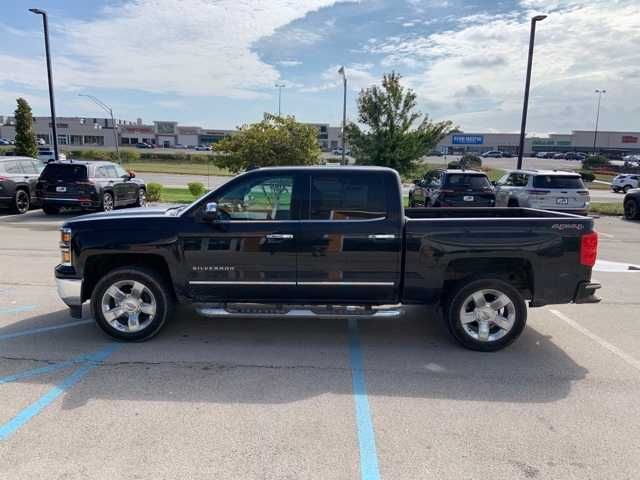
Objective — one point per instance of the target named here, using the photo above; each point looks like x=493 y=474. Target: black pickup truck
x=325 y=242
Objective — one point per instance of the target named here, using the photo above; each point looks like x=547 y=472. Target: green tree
x=271 y=142
x=396 y=134
x=26 y=144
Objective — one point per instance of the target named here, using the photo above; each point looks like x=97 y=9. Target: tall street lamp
x=595 y=133
x=107 y=109
x=534 y=20
x=344 y=111
x=45 y=24
x=279 y=86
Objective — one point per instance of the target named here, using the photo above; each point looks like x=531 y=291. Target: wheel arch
x=97 y=266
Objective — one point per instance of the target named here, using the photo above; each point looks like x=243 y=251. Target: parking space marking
x=48 y=398
x=44 y=370
x=602 y=342
x=605 y=235
x=20 y=309
x=33 y=331
x=366 y=435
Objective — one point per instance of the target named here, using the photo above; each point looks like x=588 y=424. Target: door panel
x=348 y=250
x=250 y=253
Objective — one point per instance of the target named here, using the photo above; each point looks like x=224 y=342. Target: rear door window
x=28 y=167
x=558 y=181
x=65 y=172
x=467 y=181
x=349 y=196
x=12 y=166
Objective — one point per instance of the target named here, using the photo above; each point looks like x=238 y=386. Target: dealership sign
x=629 y=139
x=467 y=139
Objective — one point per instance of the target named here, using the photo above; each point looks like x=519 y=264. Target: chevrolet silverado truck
x=322 y=242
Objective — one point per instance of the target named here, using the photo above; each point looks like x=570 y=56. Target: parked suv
x=89 y=185
x=543 y=189
x=492 y=154
x=18 y=177
x=452 y=188
x=625 y=182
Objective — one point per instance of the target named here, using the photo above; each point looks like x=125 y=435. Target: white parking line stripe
x=602 y=342
x=606 y=235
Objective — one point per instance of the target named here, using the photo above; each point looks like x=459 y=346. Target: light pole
x=52 y=102
x=344 y=111
x=107 y=109
x=523 y=126
x=279 y=86
x=595 y=133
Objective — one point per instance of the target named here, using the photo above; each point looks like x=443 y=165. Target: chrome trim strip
x=207 y=282
x=297 y=312
x=357 y=284
x=57 y=199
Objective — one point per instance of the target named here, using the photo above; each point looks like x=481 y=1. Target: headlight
x=65 y=246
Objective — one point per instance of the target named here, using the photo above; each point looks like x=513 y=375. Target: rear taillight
x=3 y=178
x=589 y=249
x=583 y=192
x=444 y=190
x=538 y=192
x=87 y=183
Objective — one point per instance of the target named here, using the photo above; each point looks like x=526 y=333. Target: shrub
x=594 y=161
x=587 y=175
x=196 y=188
x=154 y=192
x=129 y=156
x=470 y=160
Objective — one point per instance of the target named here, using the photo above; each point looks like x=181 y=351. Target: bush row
x=131 y=156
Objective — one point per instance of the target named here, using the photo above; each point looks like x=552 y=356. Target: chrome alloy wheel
x=22 y=201
x=107 y=202
x=487 y=315
x=142 y=198
x=128 y=306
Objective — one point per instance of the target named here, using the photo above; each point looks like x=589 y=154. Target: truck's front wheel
x=486 y=314
x=131 y=303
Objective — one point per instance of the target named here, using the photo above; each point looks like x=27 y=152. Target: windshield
x=558 y=181
x=58 y=171
x=467 y=180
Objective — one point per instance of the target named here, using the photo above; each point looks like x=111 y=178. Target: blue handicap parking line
x=43 y=329
x=44 y=370
x=366 y=435
x=20 y=309
x=48 y=398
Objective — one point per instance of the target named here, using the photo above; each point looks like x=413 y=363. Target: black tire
x=107 y=202
x=460 y=297
x=626 y=188
x=21 y=202
x=161 y=295
x=512 y=203
x=631 y=209
x=141 y=198
x=615 y=190
x=50 y=209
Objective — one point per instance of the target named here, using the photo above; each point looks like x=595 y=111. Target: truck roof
x=545 y=172
x=340 y=168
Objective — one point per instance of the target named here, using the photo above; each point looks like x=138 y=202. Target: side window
x=13 y=167
x=503 y=180
x=27 y=167
x=110 y=171
x=100 y=173
x=347 y=197
x=517 y=180
x=120 y=172
x=265 y=198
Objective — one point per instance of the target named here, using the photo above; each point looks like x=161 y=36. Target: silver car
x=543 y=189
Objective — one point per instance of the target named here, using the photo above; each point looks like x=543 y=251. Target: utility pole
x=52 y=102
x=595 y=133
x=525 y=107
x=107 y=109
x=344 y=112
x=279 y=86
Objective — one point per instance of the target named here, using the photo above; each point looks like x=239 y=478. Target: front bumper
x=70 y=291
x=586 y=293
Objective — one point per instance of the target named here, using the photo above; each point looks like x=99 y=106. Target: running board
x=295 y=311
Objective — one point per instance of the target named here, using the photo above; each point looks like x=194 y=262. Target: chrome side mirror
x=211 y=211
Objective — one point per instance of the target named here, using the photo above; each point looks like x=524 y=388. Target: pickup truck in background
x=325 y=242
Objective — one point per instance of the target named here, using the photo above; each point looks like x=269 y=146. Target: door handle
x=382 y=236
x=279 y=236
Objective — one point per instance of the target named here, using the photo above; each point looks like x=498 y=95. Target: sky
x=214 y=63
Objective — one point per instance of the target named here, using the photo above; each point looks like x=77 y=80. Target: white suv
x=543 y=189
x=625 y=182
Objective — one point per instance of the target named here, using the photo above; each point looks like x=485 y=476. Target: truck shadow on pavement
x=273 y=361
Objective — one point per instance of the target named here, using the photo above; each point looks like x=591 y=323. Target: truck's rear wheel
x=131 y=303
x=486 y=314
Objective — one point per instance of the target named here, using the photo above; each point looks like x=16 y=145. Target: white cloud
x=358 y=77
x=194 y=47
x=579 y=47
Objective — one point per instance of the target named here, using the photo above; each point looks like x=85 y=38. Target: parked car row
x=542 y=189
x=27 y=182
x=579 y=156
x=496 y=154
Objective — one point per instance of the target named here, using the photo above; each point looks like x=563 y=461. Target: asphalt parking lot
x=284 y=399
